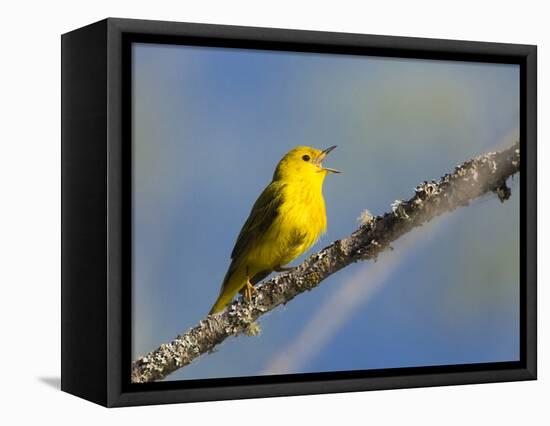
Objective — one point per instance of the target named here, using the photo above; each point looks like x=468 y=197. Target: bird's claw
x=249 y=290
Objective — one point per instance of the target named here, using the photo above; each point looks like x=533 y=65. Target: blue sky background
x=209 y=126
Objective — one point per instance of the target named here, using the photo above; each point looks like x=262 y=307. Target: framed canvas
x=211 y=248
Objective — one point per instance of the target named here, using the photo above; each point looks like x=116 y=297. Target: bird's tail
x=234 y=280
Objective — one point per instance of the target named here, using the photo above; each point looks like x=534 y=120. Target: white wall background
x=29 y=217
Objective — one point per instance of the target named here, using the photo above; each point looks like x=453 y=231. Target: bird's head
x=303 y=162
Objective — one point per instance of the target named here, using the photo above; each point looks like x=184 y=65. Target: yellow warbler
x=286 y=220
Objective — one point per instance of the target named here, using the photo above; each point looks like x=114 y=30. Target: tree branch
x=469 y=180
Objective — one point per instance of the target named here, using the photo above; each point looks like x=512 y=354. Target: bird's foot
x=249 y=290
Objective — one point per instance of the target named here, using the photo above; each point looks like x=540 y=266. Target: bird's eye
x=306 y=157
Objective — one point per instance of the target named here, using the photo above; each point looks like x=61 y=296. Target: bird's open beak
x=322 y=156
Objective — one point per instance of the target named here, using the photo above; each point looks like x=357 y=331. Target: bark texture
x=468 y=181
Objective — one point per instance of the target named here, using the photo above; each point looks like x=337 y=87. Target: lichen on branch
x=470 y=180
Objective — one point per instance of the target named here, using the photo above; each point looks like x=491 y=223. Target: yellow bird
x=287 y=219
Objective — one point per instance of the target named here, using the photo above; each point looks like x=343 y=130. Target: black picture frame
x=96 y=229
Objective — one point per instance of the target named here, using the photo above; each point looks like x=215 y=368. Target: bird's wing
x=263 y=214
